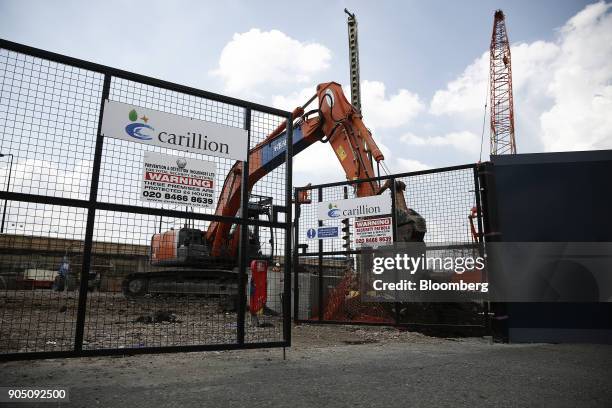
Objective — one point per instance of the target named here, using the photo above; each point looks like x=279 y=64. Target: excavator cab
x=188 y=247
x=260 y=243
x=260 y=239
x=183 y=247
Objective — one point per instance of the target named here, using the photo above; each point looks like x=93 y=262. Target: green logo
x=333 y=211
x=135 y=129
x=133 y=115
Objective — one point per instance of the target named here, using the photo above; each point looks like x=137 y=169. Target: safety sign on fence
x=373 y=232
x=178 y=180
x=322 y=233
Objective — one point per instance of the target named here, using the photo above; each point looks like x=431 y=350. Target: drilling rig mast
x=502 y=106
x=354 y=60
x=354 y=68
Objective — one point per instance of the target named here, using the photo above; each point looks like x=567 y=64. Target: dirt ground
x=336 y=366
x=44 y=320
x=327 y=365
x=308 y=336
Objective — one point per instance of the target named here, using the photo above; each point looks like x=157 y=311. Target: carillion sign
x=355 y=207
x=137 y=124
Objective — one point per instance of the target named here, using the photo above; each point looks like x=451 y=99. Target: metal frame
x=491 y=233
x=92 y=205
x=480 y=170
x=502 y=139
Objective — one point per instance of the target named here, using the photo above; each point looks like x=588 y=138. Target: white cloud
x=295 y=99
x=381 y=111
x=581 y=84
x=257 y=59
x=407 y=165
x=45 y=177
x=464 y=141
x=468 y=93
x=317 y=164
x=465 y=94
x=562 y=89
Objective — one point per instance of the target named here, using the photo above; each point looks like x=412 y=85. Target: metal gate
x=71 y=207
x=325 y=287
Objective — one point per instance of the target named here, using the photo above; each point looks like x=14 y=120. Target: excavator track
x=181 y=282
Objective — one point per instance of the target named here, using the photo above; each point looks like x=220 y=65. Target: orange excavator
x=209 y=258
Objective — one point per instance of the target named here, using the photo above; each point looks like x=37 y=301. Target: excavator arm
x=263 y=158
x=344 y=130
x=337 y=122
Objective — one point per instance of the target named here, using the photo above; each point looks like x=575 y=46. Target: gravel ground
x=337 y=366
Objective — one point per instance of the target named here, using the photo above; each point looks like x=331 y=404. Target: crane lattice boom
x=502 y=105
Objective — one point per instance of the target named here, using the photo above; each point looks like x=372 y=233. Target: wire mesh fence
x=327 y=271
x=89 y=267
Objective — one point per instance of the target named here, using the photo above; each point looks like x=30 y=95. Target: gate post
x=479 y=239
x=289 y=217
x=394 y=233
x=488 y=229
x=296 y=259
x=244 y=235
x=320 y=264
x=91 y=219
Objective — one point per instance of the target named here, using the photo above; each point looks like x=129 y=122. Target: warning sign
x=373 y=232
x=178 y=180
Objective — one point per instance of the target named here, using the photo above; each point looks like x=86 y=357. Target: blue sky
x=424 y=64
x=419 y=45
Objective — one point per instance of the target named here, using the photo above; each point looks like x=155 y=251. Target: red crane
x=502 y=106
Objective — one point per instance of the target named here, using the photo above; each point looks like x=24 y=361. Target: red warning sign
x=373 y=232
x=178 y=180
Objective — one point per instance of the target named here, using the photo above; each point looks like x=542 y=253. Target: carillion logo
x=139 y=129
x=356 y=211
x=135 y=129
x=333 y=212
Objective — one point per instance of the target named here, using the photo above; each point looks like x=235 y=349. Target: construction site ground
x=45 y=320
x=336 y=366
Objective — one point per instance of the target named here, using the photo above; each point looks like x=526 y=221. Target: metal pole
x=91 y=219
x=481 y=244
x=296 y=241
x=320 y=266
x=348 y=233
x=394 y=232
x=477 y=195
x=8 y=185
x=288 y=266
x=243 y=256
x=160 y=221
x=488 y=200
